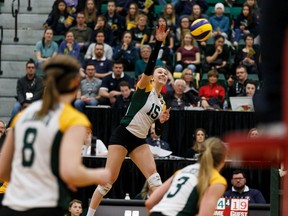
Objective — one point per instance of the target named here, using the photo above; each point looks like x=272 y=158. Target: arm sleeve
x=152 y=59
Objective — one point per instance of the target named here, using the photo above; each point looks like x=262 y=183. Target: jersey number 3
x=154 y=111
x=28 y=153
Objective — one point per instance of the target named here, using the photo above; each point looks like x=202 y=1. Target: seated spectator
x=217 y=56
x=82 y=33
x=236 y=85
x=245 y=24
x=185 y=7
x=101 y=149
x=2 y=133
x=248 y=56
x=191 y=85
x=220 y=22
x=132 y=16
x=75 y=208
x=29 y=88
x=100 y=38
x=171 y=18
x=123 y=100
x=148 y=10
x=212 y=95
x=253 y=133
x=126 y=52
x=250 y=88
x=145 y=192
x=140 y=33
x=46 y=48
x=72 y=7
x=155 y=140
x=255 y=10
x=199 y=136
x=102 y=24
x=69 y=46
x=241 y=190
x=197 y=13
x=59 y=20
x=102 y=65
x=177 y=99
x=115 y=21
x=168 y=43
x=187 y=55
x=140 y=65
x=182 y=28
x=110 y=84
x=90 y=13
x=89 y=89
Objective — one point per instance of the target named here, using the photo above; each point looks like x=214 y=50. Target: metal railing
x=15 y=12
x=1 y=39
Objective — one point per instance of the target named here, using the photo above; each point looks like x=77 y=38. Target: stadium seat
x=235 y=11
x=253 y=77
x=103 y=8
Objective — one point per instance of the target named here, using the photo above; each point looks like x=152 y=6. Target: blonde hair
x=171 y=19
x=186 y=32
x=212 y=153
x=60 y=73
x=90 y=17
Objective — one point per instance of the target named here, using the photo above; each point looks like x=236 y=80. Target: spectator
x=241 y=190
x=102 y=65
x=89 y=89
x=244 y=24
x=185 y=7
x=199 y=136
x=101 y=149
x=123 y=100
x=72 y=7
x=177 y=99
x=253 y=133
x=191 y=85
x=69 y=46
x=212 y=95
x=220 y=22
x=145 y=192
x=187 y=55
x=217 y=56
x=170 y=16
x=90 y=13
x=236 y=85
x=148 y=10
x=2 y=133
x=132 y=16
x=140 y=33
x=126 y=52
x=102 y=24
x=196 y=13
x=248 y=56
x=115 y=21
x=75 y=208
x=140 y=65
x=46 y=48
x=183 y=27
x=155 y=140
x=58 y=19
x=29 y=88
x=100 y=38
x=250 y=88
x=81 y=32
x=110 y=84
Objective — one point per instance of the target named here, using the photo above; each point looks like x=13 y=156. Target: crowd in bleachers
x=101 y=33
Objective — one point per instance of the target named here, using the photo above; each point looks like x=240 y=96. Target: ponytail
x=212 y=154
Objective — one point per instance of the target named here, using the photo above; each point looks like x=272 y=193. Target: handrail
x=1 y=38
x=15 y=15
x=29 y=8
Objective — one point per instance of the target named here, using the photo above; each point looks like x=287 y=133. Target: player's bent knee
x=104 y=189
x=154 y=180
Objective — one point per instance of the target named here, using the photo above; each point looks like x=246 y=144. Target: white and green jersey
x=144 y=109
x=182 y=196
x=35 y=180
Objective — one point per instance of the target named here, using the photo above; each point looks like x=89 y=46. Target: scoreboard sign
x=231 y=207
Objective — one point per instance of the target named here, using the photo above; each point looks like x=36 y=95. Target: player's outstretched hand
x=161 y=32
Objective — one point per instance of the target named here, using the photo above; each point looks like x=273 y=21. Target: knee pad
x=154 y=180
x=104 y=189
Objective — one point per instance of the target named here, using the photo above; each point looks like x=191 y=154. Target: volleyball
x=201 y=29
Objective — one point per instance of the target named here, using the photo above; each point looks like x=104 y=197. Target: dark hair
x=197 y=130
x=248 y=35
x=125 y=83
x=100 y=31
x=238 y=171
x=43 y=38
x=253 y=82
x=30 y=61
x=241 y=66
x=118 y=62
x=219 y=36
x=90 y=63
